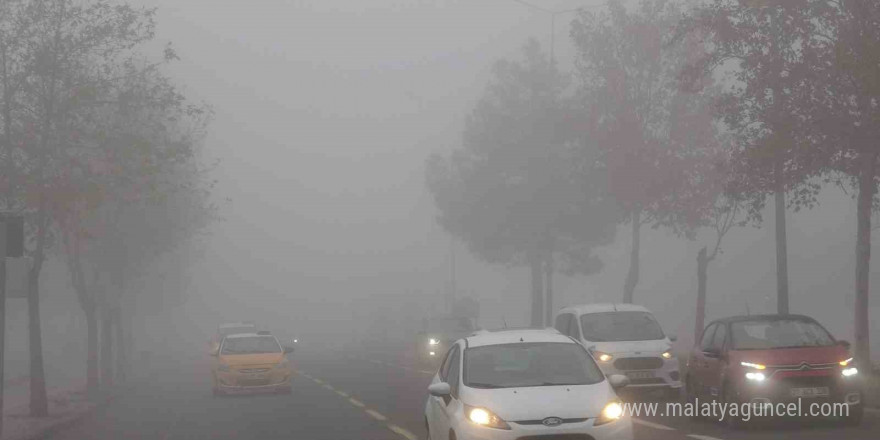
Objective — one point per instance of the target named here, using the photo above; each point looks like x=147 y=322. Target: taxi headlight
x=484 y=417
x=433 y=341
x=602 y=357
x=612 y=411
x=283 y=364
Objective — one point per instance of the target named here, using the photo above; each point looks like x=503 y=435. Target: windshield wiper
x=555 y=384
x=484 y=385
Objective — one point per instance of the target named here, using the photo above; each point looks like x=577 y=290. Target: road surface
x=345 y=396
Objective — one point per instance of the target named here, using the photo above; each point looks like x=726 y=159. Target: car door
x=716 y=361
x=699 y=362
x=450 y=403
x=438 y=421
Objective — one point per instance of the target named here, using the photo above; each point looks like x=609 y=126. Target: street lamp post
x=553 y=14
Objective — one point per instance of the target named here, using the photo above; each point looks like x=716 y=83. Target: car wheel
x=451 y=435
x=854 y=418
x=729 y=399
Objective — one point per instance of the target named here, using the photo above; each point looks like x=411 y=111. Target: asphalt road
x=342 y=395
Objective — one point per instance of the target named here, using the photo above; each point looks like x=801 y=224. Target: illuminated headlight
x=602 y=357
x=431 y=353
x=846 y=362
x=850 y=371
x=484 y=417
x=433 y=342
x=666 y=355
x=751 y=365
x=612 y=411
x=757 y=377
x=224 y=368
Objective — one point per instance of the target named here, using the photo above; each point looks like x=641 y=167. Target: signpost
x=11 y=245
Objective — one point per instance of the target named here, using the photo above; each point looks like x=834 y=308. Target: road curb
x=65 y=423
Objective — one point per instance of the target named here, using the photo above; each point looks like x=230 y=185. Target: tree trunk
x=867 y=189
x=700 y=316
x=548 y=290
x=535 y=263
x=632 y=278
x=781 y=243
x=39 y=404
x=106 y=348
x=92 y=384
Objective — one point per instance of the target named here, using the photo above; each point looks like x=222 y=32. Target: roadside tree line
x=683 y=115
x=100 y=152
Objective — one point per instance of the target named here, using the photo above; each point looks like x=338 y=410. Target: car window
x=444 y=367
x=778 y=333
x=706 y=341
x=719 y=338
x=620 y=326
x=529 y=365
x=452 y=378
x=251 y=345
x=562 y=323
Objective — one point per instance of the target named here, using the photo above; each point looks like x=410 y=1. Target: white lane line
x=329 y=387
x=426 y=372
x=702 y=437
x=318 y=381
x=406 y=434
x=651 y=424
x=356 y=402
x=376 y=415
x=343 y=394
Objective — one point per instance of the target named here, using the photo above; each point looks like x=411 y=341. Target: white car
x=514 y=384
x=625 y=339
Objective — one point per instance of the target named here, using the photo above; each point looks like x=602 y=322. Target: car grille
x=253 y=370
x=541 y=421
x=557 y=437
x=253 y=382
x=638 y=363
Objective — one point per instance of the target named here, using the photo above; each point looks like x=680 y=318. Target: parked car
x=625 y=339
x=516 y=384
x=438 y=334
x=773 y=359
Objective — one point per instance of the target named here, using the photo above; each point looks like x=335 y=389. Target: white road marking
x=343 y=394
x=376 y=415
x=318 y=381
x=356 y=402
x=651 y=424
x=406 y=434
x=329 y=387
x=702 y=437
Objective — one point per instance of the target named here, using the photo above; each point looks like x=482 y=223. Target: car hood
x=538 y=403
x=791 y=356
x=252 y=359
x=631 y=347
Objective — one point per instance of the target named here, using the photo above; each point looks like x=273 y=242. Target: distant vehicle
x=625 y=339
x=251 y=362
x=773 y=359
x=523 y=384
x=438 y=334
x=231 y=328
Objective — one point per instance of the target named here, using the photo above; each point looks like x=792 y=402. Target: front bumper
x=646 y=371
x=618 y=430
x=779 y=390
x=239 y=383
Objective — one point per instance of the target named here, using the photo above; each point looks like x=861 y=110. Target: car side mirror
x=618 y=381
x=214 y=352
x=844 y=344
x=439 y=389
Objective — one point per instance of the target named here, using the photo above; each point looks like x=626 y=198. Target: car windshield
x=620 y=326
x=449 y=325
x=529 y=365
x=782 y=333
x=251 y=345
x=236 y=330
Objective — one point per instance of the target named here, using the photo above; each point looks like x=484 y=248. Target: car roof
x=769 y=317
x=514 y=336
x=247 y=335
x=582 y=309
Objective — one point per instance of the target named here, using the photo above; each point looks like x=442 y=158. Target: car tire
x=854 y=418
x=452 y=435
x=728 y=398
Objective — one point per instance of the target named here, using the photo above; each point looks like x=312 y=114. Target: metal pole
x=552 y=38
x=2 y=313
x=453 y=286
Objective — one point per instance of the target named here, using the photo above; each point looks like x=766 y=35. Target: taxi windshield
x=251 y=345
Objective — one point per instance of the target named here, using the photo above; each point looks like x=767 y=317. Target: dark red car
x=773 y=359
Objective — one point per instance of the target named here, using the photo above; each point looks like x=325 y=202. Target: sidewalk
x=66 y=405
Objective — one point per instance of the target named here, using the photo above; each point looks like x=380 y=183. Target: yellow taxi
x=251 y=363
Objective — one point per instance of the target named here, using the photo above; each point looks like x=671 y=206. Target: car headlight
x=224 y=368
x=612 y=411
x=846 y=362
x=666 y=355
x=850 y=371
x=283 y=364
x=751 y=365
x=757 y=377
x=484 y=417
x=602 y=357
x=433 y=341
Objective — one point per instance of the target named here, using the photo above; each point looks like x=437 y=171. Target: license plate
x=640 y=374
x=256 y=376
x=809 y=392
